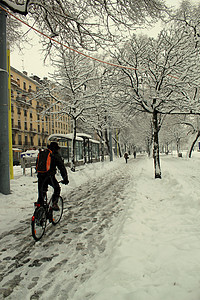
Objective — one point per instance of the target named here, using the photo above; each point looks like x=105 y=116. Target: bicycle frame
x=42 y=194
x=43 y=212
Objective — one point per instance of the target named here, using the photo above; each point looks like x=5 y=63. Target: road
x=54 y=267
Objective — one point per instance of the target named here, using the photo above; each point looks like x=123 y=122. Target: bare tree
x=89 y=22
x=72 y=89
x=187 y=18
x=165 y=78
x=14 y=31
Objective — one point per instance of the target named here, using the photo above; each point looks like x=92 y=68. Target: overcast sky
x=31 y=59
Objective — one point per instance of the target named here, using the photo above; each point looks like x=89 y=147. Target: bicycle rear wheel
x=57 y=215
x=38 y=224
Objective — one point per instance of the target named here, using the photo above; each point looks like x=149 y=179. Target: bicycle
x=43 y=213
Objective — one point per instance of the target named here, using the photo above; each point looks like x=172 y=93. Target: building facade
x=31 y=126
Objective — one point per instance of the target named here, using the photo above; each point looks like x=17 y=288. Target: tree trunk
x=148 y=146
x=120 y=153
x=107 y=141
x=156 y=145
x=102 y=154
x=102 y=151
x=194 y=142
x=73 y=146
x=178 y=145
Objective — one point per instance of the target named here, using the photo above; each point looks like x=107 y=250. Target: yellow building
x=30 y=126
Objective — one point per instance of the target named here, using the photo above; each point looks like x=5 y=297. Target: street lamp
x=18 y=6
x=21 y=8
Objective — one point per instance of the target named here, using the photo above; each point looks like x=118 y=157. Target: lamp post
x=4 y=128
x=4 y=149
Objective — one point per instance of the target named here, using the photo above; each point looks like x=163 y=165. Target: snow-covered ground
x=123 y=236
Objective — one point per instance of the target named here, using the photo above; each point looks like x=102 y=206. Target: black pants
x=44 y=181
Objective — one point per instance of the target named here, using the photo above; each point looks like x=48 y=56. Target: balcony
x=39 y=107
x=22 y=101
x=16 y=128
x=14 y=82
x=33 y=131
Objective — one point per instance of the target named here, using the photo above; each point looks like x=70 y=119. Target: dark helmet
x=53 y=146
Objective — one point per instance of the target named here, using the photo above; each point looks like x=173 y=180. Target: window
x=30 y=88
x=19 y=111
x=25 y=125
x=31 y=114
x=25 y=113
x=31 y=126
x=13 y=139
x=26 y=140
x=31 y=141
x=18 y=96
x=18 y=82
x=19 y=139
x=79 y=153
x=24 y=85
x=12 y=108
x=39 y=143
x=95 y=150
x=38 y=128
x=19 y=124
x=12 y=93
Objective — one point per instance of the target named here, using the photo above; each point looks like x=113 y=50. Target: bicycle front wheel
x=38 y=224
x=57 y=214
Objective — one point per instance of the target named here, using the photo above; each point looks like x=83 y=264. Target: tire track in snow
x=66 y=248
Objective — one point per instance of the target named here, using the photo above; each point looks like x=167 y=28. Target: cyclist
x=48 y=178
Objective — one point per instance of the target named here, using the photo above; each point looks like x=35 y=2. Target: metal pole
x=4 y=142
x=9 y=115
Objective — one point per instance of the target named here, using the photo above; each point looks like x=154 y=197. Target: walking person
x=126 y=157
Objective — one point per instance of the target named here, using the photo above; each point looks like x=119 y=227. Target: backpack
x=43 y=162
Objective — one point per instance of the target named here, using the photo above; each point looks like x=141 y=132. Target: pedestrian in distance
x=47 y=162
x=134 y=153
x=126 y=157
